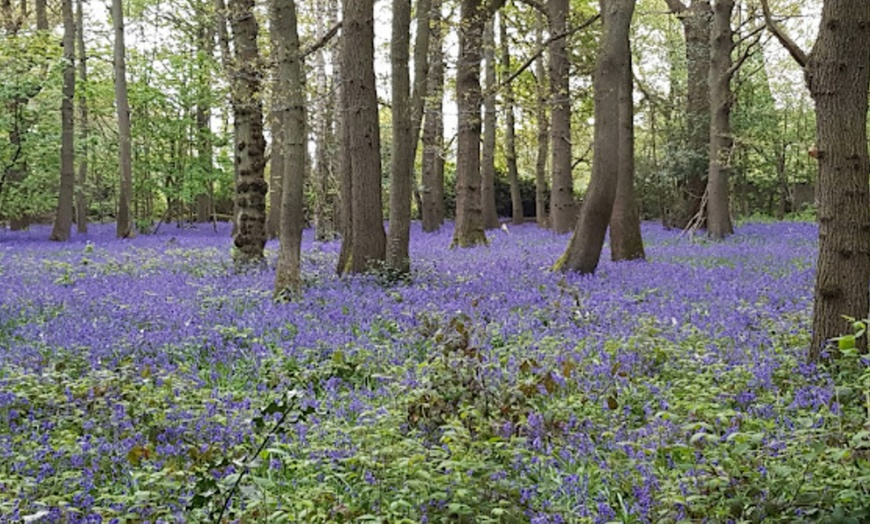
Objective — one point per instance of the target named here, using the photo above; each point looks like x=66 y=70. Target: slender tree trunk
x=42 y=15
x=125 y=153
x=63 y=218
x=324 y=150
x=626 y=242
x=402 y=163
x=345 y=173
x=276 y=162
x=517 y=213
x=541 y=214
x=251 y=187
x=487 y=157
x=584 y=249
x=368 y=240
x=562 y=207
x=433 y=129
x=290 y=106
x=838 y=77
x=226 y=55
x=718 y=199
x=81 y=203
x=204 y=200
x=469 y=230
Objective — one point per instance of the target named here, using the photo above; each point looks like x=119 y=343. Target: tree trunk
x=432 y=196
x=251 y=187
x=541 y=215
x=42 y=15
x=487 y=157
x=125 y=153
x=562 y=210
x=276 y=161
x=204 y=149
x=517 y=212
x=81 y=193
x=584 y=249
x=290 y=105
x=368 y=242
x=469 y=230
x=402 y=162
x=626 y=242
x=697 y=23
x=718 y=198
x=324 y=150
x=63 y=218
x=838 y=77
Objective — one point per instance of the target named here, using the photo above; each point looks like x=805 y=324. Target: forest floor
x=144 y=381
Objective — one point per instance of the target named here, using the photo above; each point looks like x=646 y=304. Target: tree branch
x=534 y=4
x=794 y=50
x=316 y=46
x=529 y=61
x=676 y=6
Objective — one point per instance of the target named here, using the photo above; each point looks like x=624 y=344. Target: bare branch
x=794 y=50
x=676 y=6
x=531 y=60
x=534 y=4
x=316 y=46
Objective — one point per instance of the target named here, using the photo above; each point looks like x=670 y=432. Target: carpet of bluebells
x=146 y=381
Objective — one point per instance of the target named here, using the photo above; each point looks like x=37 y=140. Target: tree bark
x=204 y=148
x=432 y=196
x=584 y=249
x=469 y=230
x=838 y=75
x=562 y=208
x=402 y=162
x=276 y=121
x=697 y=23
x=124 y=224
x=541 y=215
x=290 y=106
x=517 y=213
x=324 y=152
x=63 y=219
x=81 y=194
x=626 y=242
x=368 y=242
x=251 y=187
x=718 y=199
x=487 y=157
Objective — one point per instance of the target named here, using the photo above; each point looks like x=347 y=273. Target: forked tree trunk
x=584 y=249
x=63 y=218
x=125 y=152
x=432 y=193
x=517 y=213
x=82 y=177
x=626 y=242
x=290 y=109
x=487 y=157
x=718 y=199
x=362 y=130
x=562 y=209
x=541 y=215
x=250 y=236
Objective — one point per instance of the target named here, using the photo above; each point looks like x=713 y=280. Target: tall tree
x=276 y=122
x=204 y=145
x=721 y=70
x=584 y=249
x=290 y=108
x=362 y=133
x=325 y=148
x=81 y=200
x=124 y=223
x=432 y=193
x=696 y=18
x=838 y=78
x=250 y=161
x=487 y=157
x=543 y=123
x=469 y=230
x=509 y=128
x=562 y=208
x=64 y=215
x=626 y=242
